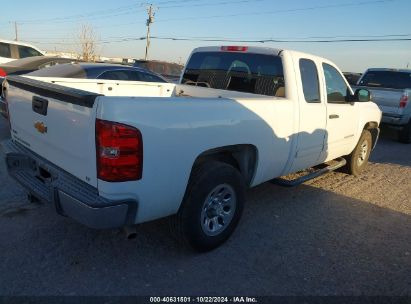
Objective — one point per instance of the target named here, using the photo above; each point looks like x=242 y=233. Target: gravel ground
x=336 y=235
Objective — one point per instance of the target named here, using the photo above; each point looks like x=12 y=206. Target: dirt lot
x=337 y=235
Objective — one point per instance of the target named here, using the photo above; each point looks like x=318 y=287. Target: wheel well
x=241 y=157
x=373 y=128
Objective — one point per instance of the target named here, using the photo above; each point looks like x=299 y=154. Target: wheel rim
x=218 y=210
x=362 y=157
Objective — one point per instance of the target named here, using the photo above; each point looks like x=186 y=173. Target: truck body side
x=263 y=136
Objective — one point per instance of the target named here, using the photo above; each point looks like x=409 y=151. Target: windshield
x=68 y=70
x=387 y=79
x=235 y=71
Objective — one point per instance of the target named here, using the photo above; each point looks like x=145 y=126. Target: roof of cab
x=21 y=43
x=261 y=50
x=389 y=70
x=250 y=49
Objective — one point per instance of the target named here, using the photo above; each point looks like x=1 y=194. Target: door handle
x=333 y=116
x=39 y=105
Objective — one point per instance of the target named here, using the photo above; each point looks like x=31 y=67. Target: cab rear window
x=236 y=71
x=387 y=79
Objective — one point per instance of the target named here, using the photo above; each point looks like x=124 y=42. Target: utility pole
x=150 y=20
x=16 y=31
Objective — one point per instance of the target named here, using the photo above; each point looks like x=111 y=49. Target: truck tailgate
x=387 y=99
x=55 y=122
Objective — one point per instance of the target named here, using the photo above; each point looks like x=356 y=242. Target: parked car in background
x=91 y=71
x=99 y=71
x=12 y=50
x=352 y=78
x=391 y=91
x=171 y=71
x=24 y=66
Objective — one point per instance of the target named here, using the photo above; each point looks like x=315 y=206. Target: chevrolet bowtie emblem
x=40 y=126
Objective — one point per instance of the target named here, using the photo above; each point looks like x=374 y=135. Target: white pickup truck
x=114 y=154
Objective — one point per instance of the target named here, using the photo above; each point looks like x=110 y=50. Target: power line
x=117 y=11
x=79 y=16
x=213 y=4
x=130 y=9
x=283 y=41
x=232 y=38
x=270 y=40
x=351 y=4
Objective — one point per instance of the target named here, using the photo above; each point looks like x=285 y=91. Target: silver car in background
x=391 y=91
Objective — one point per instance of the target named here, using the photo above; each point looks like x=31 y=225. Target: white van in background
x=12 y=50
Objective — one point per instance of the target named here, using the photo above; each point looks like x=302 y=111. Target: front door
x=342 y=115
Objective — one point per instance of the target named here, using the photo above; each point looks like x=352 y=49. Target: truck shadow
x=389 y=150
x=301 y=241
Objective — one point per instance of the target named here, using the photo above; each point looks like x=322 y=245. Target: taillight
x=119 y=151
x=403 y=101
x=234 y=48
x=3 y=73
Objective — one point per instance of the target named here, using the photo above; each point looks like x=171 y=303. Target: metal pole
x=149 y=21
x=16 y=31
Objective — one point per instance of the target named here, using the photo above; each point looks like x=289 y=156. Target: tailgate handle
x=40 y=105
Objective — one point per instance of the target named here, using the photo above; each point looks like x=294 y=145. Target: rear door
x=55 y=122
x=312 y=116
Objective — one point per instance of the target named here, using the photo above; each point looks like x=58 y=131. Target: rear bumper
x=394 y=120
x=70 y=196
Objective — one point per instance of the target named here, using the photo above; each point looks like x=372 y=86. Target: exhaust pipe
x=130 y=232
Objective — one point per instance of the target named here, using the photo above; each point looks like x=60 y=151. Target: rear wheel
x=358 y=159
x=212 y=206
x=405 y=134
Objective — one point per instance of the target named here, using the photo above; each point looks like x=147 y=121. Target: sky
x=54 y=25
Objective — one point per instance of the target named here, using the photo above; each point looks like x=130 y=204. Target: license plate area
x=19 y=162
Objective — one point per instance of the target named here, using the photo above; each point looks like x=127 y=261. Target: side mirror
x=362 y=95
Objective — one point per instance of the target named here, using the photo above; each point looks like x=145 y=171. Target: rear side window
x=309 y=79
x=25 y=51
x=235 y=71
x=387 y=79
x=5 y=50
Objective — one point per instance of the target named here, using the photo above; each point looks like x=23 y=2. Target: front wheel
x=212 y=206
x=358 y=159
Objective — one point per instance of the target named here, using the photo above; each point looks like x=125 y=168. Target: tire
x=358 y=159
x=213 y=201
x=405 y=134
